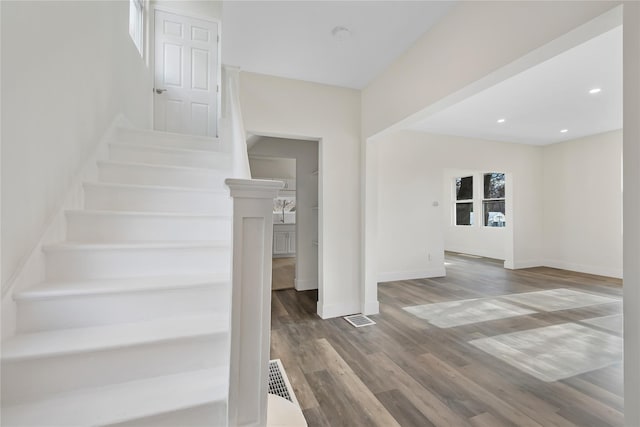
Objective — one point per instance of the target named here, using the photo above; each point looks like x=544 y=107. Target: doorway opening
x=284 y=217
x=296 y=214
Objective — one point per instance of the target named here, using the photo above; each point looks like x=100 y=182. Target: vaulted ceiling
x=295 y=39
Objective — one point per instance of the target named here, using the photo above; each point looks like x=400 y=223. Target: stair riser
x=94 y=310
x=121 y=263
x=28 y=380
x=213 y=415
x=131 y=228
x=155 y=200
x=193 y=178
x=167 y=140
x=200 y=159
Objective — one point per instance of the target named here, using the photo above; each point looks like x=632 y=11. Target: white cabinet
x=292 y=242
x=284 y=240
x=280 y=242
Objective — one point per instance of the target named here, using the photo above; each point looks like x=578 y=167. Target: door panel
x=172 y=73
x=172 y=28
x=186 y=71
x=173 y=115
x=200 y=118
x=200 y=34
x=199 y=69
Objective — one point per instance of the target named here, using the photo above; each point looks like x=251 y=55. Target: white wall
x=68 y=69
x=631 y=147
x=409 y=226
x=583 y=204
x=413 y=168
x=564 y=202
x=273 y=167
x=282 y=107
x=306 y=155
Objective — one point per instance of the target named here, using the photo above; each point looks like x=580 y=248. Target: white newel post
x=251 y=299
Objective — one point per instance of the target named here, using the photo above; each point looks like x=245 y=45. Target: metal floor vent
x=359 y=320
x=279 y=382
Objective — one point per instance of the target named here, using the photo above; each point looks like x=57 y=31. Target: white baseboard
x=581 y=268
x=371 y=307
x=31 y=269
x=392 y=276
x=305 y=284
x=526 y=264
x=328 y=311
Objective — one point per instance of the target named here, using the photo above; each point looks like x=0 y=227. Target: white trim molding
x=392 y=276
x=305 y=284
x=581 y=268
x=251 y=300
x=371 y=307
x=529 y=263
x=328 y=311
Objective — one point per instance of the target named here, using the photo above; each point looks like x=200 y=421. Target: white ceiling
x=293 y=38
x=539 y=102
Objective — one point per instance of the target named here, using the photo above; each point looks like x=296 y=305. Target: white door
x=186 y=75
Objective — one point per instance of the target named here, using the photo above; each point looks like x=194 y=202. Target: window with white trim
x=463 y=203
x=493 y=202
x=136 y=23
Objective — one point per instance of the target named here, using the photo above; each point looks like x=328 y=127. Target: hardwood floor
x=405 y=371
x=283 y=273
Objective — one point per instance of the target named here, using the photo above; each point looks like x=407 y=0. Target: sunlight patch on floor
x=555 y=352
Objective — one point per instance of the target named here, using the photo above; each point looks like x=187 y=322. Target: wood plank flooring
x=405 y=372
x=283 y=273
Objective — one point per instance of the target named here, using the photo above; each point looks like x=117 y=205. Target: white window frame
x=466 y=201
x=136 y=24
x=503 y=199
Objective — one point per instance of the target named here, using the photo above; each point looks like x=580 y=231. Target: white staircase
x=131 y=325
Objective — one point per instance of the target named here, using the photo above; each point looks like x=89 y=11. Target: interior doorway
x=296 y=240
x=284 y=217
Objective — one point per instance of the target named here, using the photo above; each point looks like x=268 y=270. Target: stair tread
x=96 y=212
x=148 y=146
x=123 y=402
x=155 y=187
x=153 y=165
x=62 y=246
x=161 y=133
x=55 y=289
x=79 y=340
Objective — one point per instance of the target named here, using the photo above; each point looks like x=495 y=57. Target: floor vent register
x=279 y=382
x=359 y=320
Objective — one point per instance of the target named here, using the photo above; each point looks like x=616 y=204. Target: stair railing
x=251 y=299
x=251 y=272
x=232 y=131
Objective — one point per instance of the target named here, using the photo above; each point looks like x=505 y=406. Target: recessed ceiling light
x=564 y=131
x=341 y=33
x=501 y=120
x=595 y=90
